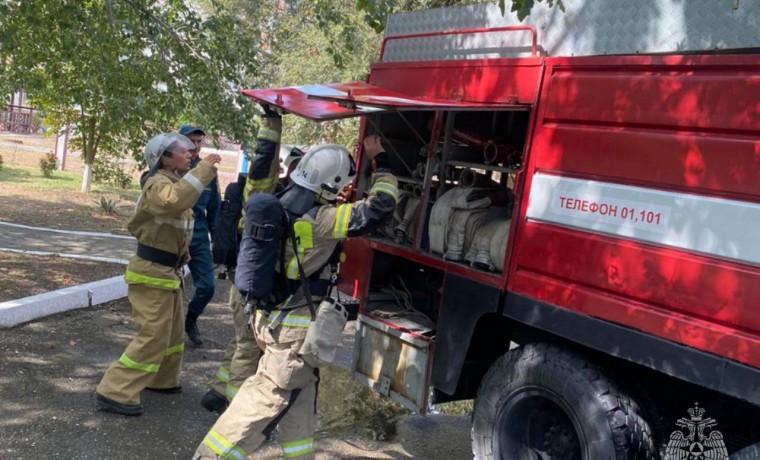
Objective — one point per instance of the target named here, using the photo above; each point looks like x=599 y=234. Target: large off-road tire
x=748 y=453
x=544 y=402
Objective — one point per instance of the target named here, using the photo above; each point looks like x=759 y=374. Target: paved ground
x=13 y=237
x=49 y=369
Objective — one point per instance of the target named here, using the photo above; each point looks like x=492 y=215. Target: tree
x=304 y=43
x=120 y=71
x=310 y=48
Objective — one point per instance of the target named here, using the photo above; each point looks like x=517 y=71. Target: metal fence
x=19 y=119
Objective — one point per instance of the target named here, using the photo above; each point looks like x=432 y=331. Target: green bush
x=1 y=162
x=48 y=163
x=109 y=170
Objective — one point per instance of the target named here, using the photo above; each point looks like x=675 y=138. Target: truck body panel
x=686 y=136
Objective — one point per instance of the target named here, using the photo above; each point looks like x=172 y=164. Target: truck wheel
x=748 y=453
x=543 y=402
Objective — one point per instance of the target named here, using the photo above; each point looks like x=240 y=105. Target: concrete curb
x=14 y=312
x=68 y=232
x=68 y=256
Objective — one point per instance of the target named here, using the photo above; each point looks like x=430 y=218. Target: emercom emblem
x=691 y=442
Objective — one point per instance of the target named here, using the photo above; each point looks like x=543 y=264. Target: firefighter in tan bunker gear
x=163 y=227
x=282 y=393
x=241 y=357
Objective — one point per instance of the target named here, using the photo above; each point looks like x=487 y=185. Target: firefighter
x=205 y=216
x=282 y=393
x=163 y=226
x=241 y=357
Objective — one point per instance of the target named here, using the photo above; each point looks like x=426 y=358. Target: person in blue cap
x=205 y=213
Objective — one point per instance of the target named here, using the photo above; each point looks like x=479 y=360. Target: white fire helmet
x=158 y=145
x=325 y=170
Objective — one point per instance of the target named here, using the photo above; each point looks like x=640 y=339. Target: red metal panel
x=711 y=164
x=702 y=303
x=436 y=262
x=702 y=98
x=490 y=81
x=681 y=123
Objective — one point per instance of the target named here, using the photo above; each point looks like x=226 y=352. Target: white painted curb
x=68 y=232
x=19 y=311
x=68 y=256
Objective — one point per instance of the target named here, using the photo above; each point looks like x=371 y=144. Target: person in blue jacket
x=205 y=213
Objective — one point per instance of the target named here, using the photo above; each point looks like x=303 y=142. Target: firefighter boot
x=191 y=329
x=214 y=402
x=109 y=405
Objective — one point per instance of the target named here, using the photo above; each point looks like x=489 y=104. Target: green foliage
x=120 y=71
x=107 y=205
x=107 y=169
x=311 y=42
x=1 y=162
x=48 y=163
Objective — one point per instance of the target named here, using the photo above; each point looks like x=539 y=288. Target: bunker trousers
x=282 y=394
x=154 y=357
x=242 y=355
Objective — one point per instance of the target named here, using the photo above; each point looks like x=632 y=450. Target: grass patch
x=26 y=197
x=63 y=181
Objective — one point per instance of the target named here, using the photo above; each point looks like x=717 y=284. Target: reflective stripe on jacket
x=164 y=220
x=319 y=231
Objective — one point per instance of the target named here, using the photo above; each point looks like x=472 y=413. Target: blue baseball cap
x=188 y=129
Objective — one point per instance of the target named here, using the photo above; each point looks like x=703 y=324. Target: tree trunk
x=90 y=142
x=87 y=178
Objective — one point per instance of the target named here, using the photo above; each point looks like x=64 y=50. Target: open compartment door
x=300 y=100
x=334 y=101
x=393 y=362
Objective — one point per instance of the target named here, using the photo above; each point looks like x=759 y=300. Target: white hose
x=489 y=236
x=440 y=216
x=439 y=221
x=498 y=248
x=462 y=232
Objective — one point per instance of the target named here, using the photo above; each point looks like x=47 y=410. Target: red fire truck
x=577 y=239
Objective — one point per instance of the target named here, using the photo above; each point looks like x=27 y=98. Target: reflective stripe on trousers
x=222 y=447
x=297 y=448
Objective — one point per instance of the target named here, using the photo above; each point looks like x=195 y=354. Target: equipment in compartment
x=448 y=220
x=401 y=311
x=494 y=152
x=467 y=226
x=456 y=173
x=401 y=227
x=404 y=293
x=489 y=245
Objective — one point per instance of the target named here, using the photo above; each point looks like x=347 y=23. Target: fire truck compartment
x=456 y=172
x=396 y=330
